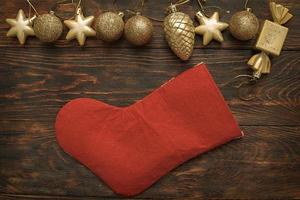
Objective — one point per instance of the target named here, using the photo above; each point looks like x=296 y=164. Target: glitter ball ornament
x=109 y=26
x=244 y=25
x=180 y=33
x=48 y=27
x=138 y=30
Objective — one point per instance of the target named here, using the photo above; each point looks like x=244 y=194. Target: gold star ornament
x=210 y=28
x=21 y=27
x=80 y=28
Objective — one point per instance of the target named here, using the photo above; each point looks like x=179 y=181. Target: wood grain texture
x=36 y=80
x=265 y=162
x=123 y=77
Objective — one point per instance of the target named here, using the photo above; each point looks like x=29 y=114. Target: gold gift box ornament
x=270 y=40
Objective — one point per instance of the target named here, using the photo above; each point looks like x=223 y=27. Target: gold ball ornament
x=48 y=27
x=180 y=33
x=244 y=25
x=138 y=30
x=109 y=26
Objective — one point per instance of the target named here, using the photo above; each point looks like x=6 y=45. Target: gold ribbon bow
x=280 y=14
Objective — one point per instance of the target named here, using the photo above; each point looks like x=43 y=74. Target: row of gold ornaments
x=244 y=25
x=180 y=31
x=109 y=27
x=179 y=28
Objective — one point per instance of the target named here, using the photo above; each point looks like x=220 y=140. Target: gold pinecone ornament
x=180 y=33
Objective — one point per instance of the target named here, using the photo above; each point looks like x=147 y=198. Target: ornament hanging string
x=201 y=6
x=241 y=81
x=251 y=81
x=32 y=6
x=116 y=6
x=204 y=9
x=29 y=11
x=246 y=5
x=142 y=3
x=138 y=9
x=140 y=6
x=261 y=63
x=180 y=2
x=78 y=5
x=173 y=6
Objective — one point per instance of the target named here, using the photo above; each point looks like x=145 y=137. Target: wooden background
x=38 y=79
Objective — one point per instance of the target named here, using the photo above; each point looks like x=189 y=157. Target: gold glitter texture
x=109 y=26
x=244 y=25
x=48 y=27
x=138 y=30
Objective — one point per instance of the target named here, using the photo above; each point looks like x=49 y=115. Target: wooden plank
x=32 y=80
x=38 y=79
x=263 y=164
x=155 y=9
x=51 y=197
x=44 y=197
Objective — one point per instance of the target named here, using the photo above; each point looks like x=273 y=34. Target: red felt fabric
x=130 y=148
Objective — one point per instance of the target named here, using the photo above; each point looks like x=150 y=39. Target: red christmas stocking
x=130 y=148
